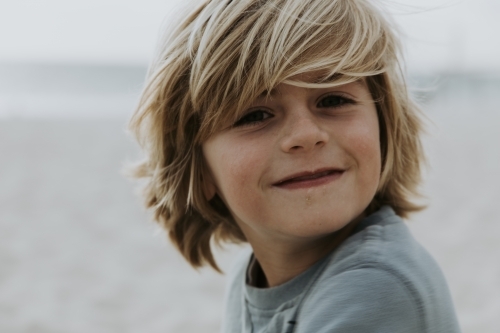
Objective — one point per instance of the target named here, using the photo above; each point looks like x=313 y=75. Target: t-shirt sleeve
x=361 y=300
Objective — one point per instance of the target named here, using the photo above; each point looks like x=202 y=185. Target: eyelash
x=343 y=100
x=247 y=121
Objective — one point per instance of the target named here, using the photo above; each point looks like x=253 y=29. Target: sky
x=439 y=34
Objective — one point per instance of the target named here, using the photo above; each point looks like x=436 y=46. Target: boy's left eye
x=253 y=118
x=332 y=101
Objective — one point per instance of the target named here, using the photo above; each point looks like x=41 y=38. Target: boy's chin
x=314 y=227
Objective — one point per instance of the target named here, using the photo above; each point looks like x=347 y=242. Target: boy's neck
x=281 y=262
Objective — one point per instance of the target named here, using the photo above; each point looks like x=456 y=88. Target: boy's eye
x=253 y=117
x=332 y=101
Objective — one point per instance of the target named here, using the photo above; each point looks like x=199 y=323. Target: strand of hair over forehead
x=283 y=38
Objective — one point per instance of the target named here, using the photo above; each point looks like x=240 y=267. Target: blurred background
x=77 y=251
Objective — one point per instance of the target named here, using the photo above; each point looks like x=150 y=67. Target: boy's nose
x=303 y=133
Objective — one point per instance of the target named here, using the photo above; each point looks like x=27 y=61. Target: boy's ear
x=209 y=188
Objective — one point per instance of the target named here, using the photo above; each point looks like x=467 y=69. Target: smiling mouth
x=309 y=179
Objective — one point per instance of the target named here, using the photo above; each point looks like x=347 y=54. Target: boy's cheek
x=234 y=168
x=242 y=175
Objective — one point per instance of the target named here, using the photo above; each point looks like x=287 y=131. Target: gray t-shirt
x=378 y=280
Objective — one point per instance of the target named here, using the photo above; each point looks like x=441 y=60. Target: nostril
x=309 y=135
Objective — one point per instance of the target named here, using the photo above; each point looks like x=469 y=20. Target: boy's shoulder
x=381 y=277
x=382 y=240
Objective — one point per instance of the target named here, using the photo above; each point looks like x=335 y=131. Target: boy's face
x=300 y=164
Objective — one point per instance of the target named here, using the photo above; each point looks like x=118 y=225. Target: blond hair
x=220 y=58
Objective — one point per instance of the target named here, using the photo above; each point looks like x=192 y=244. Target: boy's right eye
x=253 y=118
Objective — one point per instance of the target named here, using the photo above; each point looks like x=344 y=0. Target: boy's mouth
x=309 y=178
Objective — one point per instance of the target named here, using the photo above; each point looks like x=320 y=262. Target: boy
x=286 y=124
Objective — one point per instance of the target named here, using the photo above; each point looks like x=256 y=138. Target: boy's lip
x=307 y=176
